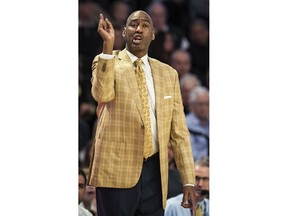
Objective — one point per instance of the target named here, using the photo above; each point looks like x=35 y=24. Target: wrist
x=189 y=185
x=108 y=48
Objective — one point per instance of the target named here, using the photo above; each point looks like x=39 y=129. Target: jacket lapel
x=128 y=68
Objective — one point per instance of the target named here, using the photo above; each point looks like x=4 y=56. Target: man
x=202 y=190
x=187 y=83
x=89 y=199
x=136 y=122
x=182 y=62
x=198 y=122
x=81 y=191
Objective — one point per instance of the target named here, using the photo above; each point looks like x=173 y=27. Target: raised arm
x=106 y=31
x=103 y=66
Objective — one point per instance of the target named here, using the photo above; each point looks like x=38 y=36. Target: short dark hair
x=81 y=172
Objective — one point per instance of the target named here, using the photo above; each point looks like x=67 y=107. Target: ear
x=153 y=36
x=124 y=32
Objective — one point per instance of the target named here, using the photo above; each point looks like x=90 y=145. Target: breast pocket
x=168 y=104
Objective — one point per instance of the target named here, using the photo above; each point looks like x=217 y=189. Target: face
x=138 y=33
x=81 y=188
x=158 y=16
x=186 y=89
x=181 y=62
x=121 y=12
x=89 y=195
x=199 y=34
x=202 y=180
x=201 y=107
x=168 y=43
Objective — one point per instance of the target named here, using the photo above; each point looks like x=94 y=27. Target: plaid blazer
x=117 y=156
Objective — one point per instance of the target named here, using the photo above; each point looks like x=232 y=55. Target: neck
x=138 y=54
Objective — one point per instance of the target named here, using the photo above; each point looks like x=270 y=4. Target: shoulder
x=163 y=68
x=175 y=199
x=160 y=64
x=173 y=207
x=83 y=211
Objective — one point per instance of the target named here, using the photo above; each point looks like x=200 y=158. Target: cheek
x=206 y=186
x=81 y=193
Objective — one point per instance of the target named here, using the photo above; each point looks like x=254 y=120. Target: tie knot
x=138 y=62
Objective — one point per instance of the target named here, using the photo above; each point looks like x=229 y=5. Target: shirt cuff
x=189 y=185
x=106 y=56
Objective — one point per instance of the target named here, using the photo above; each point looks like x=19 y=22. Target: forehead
x=202 y=170
x=139 y=16
x=204 y=96
x=81 y=179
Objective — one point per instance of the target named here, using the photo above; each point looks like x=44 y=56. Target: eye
x=133 y=24
x=145 y=25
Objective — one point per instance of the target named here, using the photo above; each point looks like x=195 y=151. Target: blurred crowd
x=182 y=41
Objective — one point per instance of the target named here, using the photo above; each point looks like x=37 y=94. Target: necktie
x=199 y=210
x=143 y=92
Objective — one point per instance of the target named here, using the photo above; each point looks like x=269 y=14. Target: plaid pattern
x=117 y=156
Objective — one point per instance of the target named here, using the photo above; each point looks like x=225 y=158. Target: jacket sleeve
x=103 y=79
x=180 y=139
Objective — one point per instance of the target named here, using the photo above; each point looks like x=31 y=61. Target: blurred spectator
x=119 y=11
x=199 y=48
x=119 y=42
x=181 y=61
x=198 y=122
x=163 y=46
x=187 y=83
x=199 y=9
x=178 y=11
x=86 y=109
x=89 y=39
x=158 y=14
x=89 y=199
x=174 y=208
x=81 y=191
x=88 y=23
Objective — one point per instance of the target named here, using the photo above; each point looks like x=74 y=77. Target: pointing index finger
x=109 y=23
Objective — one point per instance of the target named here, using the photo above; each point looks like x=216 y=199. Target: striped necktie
x=199 y=210
x=143 y=92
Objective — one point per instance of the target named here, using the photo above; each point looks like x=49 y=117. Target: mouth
x=137 y=39
x=202 y=192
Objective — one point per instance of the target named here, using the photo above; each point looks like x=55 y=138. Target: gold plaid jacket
x=117 y=156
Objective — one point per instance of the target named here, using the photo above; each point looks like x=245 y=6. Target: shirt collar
x=134 y=58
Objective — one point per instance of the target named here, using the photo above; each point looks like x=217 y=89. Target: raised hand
x=106 y=31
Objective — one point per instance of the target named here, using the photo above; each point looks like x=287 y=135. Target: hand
x=106 y=31
x=189 y=200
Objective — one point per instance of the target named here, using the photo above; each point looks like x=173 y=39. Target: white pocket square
x=168 y=96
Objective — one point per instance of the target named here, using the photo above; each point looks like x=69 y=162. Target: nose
x=139 y=28
x=200 y=183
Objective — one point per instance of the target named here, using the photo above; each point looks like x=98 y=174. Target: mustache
x=203 y=192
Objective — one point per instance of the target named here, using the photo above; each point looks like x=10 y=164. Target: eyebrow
x=144 y=20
